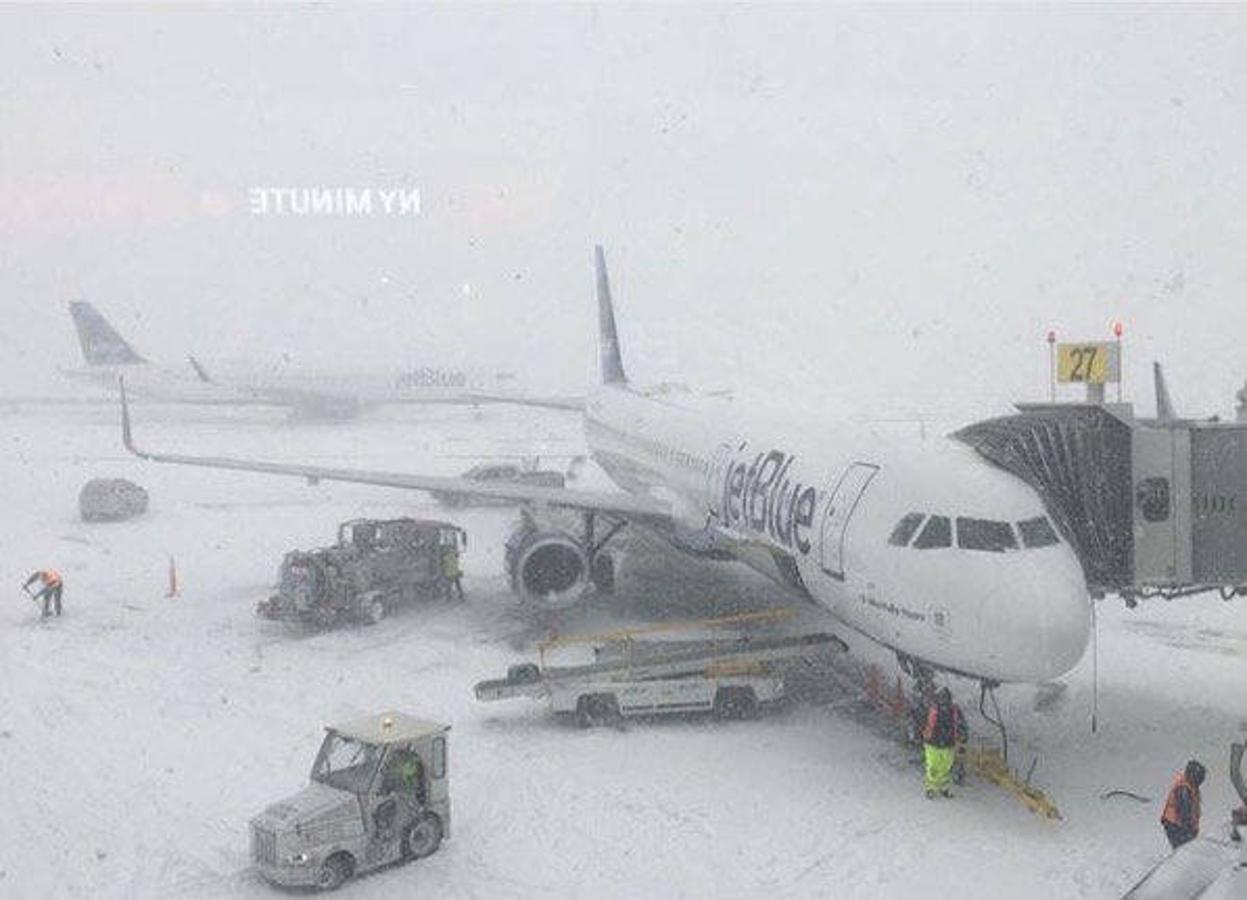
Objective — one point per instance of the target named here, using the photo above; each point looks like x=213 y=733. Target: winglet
x=1164 y=405
x=608 y=337
x=200 y=370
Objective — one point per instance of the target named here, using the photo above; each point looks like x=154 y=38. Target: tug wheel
x=422 y=837
x=333 y=872
x=735 y=703
x=596 y=709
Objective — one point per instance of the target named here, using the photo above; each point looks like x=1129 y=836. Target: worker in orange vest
x=49 y=590
x=944 y=728
x=1181 y=814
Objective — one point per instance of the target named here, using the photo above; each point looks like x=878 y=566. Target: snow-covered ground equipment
x=730 y=677
x=375 y=566
x=379 y=793
x=111 y=500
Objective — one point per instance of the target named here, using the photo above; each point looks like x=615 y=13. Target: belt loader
x=731 y=678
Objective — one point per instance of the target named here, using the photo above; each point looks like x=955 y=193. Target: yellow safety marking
x=988 y=763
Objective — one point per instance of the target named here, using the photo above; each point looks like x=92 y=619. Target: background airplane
x=923 y=547
x=313 y=394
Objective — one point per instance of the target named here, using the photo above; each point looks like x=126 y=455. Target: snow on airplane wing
x=628 y=506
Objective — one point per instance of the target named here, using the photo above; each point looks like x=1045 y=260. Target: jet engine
x=550 y=568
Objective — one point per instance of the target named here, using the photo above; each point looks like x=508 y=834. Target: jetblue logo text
x=427 y=377
x=759 y=496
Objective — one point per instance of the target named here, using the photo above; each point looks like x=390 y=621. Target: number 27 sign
x=1089 y=363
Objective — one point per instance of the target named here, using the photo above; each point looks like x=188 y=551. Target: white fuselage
x=245 y=385
x=813 y=504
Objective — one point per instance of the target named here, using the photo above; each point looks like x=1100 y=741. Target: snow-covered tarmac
x=139 y=733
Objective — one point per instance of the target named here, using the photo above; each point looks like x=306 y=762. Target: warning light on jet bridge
x=1097 y=362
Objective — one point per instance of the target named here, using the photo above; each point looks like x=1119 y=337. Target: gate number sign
x=1089 y=363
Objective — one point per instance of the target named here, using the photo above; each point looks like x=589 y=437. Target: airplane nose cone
x=1063 y=626
x=1044 y=619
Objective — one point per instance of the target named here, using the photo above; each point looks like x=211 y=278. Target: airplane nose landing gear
x=988 y=689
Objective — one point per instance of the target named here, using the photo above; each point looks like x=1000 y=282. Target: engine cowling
x=548 y=568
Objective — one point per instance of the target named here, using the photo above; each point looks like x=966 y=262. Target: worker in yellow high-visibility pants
x=944 y=728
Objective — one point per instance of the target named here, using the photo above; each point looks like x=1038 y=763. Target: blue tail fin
x=608 y=338
x=101 y=344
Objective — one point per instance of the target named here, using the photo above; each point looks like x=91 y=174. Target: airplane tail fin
x=101 y=344
x=608 y=337
x=1164 y=405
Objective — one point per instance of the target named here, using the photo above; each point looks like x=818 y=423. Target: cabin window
x=938 y=532
x=905 y=529
x=439 y=757
x=984 y=534
x=1037 y=532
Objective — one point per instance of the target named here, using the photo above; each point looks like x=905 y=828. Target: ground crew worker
x=451 y=570
x=404 y=781
x=49 y=592
x=1180 y=816
x=412 y=776
x=407 y=775
x=944 y=728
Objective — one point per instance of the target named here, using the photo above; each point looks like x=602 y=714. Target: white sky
x=891 y=202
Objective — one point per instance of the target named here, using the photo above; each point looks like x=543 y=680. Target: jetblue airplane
x=310 y=394
x=924 y=548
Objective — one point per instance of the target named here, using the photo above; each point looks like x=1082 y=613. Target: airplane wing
x=468 y=398
x=629 y=506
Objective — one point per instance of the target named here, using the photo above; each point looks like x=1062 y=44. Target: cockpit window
x=938 y=532
x=1038 y=532
x=984 y=534
x=905 y=529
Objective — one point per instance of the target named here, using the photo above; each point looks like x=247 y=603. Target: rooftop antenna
x=1052 y=365
x=1164 y=405
x=1118 y=328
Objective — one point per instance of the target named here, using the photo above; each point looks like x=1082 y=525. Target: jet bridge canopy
x=1148 y=504
x=1078 y=459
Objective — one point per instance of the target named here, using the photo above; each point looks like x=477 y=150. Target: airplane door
x=844 y=497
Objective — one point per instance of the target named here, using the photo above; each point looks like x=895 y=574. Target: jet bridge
x=1152 y=506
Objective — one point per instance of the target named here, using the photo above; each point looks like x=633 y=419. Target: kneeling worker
x=49 y=591
x=1181 y=814
x=944 y=728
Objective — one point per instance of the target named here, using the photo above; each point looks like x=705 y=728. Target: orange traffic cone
x=873 y=690
x=900 y=706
